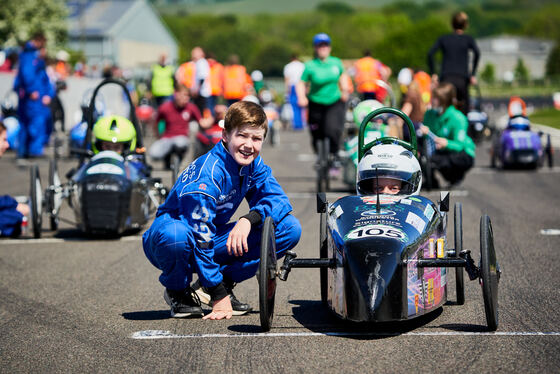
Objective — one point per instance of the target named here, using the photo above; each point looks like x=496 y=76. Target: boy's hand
x=220 y=309
x=237 y=239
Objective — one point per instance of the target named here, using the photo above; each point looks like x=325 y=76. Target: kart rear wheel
x=36 y=201
x=322 y=165
x=175 y=162
x=267 y=274
x=459 y=280
x=549 y=152
x=323 y=253
x=490 y=273
x=53 y=198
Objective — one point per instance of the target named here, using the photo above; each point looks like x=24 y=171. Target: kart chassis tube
x=464 y=260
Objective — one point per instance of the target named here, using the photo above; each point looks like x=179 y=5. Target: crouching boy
x=192 y=232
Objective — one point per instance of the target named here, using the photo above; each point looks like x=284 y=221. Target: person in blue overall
x=11 y=212
x=35 y=93
x=192 y=231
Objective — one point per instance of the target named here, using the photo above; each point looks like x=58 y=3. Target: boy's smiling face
x=244 y=144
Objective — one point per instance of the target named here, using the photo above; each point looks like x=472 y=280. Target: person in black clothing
x=455 y=62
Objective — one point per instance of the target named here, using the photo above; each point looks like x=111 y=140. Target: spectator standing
x=327 y=94
x=200 y=88
x=161 y=82
x=237 y=83
x=35 y=93
x=367 y=71
x=292 y=75
x=216 y=83
x=455 y=48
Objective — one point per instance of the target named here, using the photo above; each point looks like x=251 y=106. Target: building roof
x=509 y=45
x=91 y=18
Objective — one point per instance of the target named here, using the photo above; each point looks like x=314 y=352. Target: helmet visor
x=385 y=181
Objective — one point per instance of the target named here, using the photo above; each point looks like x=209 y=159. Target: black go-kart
x=385 y=257
x=109 y=193
x=479 y=128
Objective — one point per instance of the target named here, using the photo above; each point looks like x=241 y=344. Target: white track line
x=70 y=240
x=161 y=334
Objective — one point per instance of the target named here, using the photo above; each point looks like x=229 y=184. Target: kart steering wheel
x=412 y=146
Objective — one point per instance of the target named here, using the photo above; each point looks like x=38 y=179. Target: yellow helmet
x=113 y=129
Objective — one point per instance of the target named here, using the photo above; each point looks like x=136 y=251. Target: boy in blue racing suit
x=11 y=212
x=191 y=232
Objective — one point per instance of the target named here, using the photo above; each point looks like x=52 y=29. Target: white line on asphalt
x=59 y=240
x=487 y=170
x=161 y=334
x=550 y=231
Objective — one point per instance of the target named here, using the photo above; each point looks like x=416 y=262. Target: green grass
x=549 y=117
x=263 y=6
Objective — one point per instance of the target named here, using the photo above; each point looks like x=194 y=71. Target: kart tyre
x=36 y=201
x=549 y=152
x=323 y=253
x=53 y=197
x=267 y=275
x=489 y=273
x=459 y=274
x=272 y=134
x=428 y=182
x=175 y=162
x=323 y=165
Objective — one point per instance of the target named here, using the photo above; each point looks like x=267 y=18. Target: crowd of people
x=191 y=232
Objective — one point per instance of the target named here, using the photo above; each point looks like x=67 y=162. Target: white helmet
x=391 y=161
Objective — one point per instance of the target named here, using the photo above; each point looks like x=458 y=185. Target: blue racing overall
x=191 y=228
x=10 y=218
x=33 y=114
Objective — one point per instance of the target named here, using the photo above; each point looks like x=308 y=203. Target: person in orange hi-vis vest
x=185 y=74
x=237 y=83
x=216 y=82
x=367 y=71
x=425 y=84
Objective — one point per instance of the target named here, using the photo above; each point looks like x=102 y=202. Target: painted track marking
x=161 y=334
x=70 y=240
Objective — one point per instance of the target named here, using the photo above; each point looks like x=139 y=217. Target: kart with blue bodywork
x=109 y=193
x=517 y=146
x=385 y=257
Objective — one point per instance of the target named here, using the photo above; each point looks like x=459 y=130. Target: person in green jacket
x=455 y=151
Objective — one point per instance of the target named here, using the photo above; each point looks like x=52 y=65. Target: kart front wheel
x=322 y=165
x=323 y=253
x=267 y=274
x=175 y=162
x=36 y=201
x=53 y=197
x=459 y=280
x=489 y=273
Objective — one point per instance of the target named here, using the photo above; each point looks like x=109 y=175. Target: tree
x=20 y=19
x=488 y=74
x=521 y=73
x=553 y=62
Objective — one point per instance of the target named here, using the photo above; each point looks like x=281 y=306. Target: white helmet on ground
x=389 y=161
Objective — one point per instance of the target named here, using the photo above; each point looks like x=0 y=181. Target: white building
x=504 y=51
x=128 y=33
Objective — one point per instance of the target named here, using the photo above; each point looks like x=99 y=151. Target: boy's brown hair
x=245 y=113
x=2 y=127
x=460 y=21
x=445 y=92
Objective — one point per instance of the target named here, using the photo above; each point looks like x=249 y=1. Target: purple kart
x=519 y=147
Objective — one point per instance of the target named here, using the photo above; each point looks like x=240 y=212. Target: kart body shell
x=521 y=147
x=110 y=194
x=376 y=278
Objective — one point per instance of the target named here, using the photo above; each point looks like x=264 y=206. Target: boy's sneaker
x=238 y=307
x=183 y=303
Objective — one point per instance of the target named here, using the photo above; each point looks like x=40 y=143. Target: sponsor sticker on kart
x=383 y=231
x=374 y=213
x=415 y=221
x=429 y=212
x=105 y=169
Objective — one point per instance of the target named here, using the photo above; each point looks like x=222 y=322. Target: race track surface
x=73 y=304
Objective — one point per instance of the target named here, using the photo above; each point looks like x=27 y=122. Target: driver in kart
x=113 y=133
x=389 y=169
x=192 y=231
